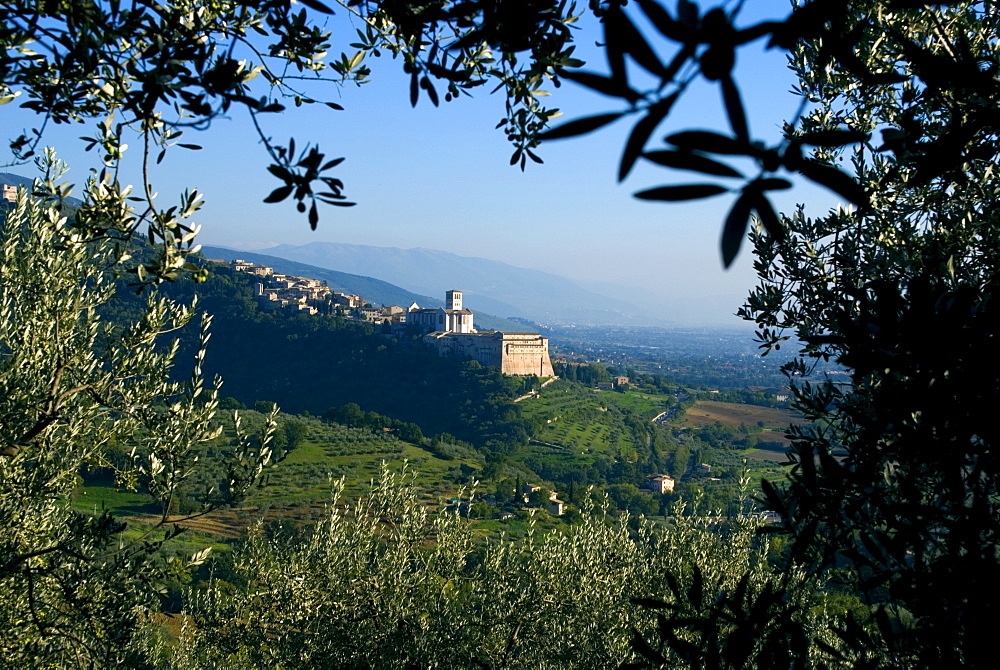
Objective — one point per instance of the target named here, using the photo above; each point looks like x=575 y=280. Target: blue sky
x=439 y=178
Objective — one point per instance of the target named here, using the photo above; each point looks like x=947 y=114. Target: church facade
x=449 y=319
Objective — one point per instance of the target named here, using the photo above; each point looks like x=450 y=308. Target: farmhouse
x=661 y=483
x=555 y=506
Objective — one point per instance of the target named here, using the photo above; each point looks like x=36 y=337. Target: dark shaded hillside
x=312 y=363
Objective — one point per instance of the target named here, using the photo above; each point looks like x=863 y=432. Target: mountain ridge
x=487 y=285
x=372 y=289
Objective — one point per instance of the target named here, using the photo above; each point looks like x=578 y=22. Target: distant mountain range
x=487 y=285
x=14 y=179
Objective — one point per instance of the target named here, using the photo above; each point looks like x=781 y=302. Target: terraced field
x=588 y=422
x=298 y=488
x=733 y=415
x=584 y=435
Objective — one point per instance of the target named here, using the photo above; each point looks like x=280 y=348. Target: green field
x=573 y=419
x=95 y=499
x=298 y=488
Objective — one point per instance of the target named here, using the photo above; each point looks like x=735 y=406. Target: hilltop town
x=449 y=329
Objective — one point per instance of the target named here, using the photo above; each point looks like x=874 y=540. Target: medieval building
x=451 y=331
x=450 y=319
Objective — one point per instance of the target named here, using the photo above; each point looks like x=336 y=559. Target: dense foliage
x=73 y=389
x=895 y=486
x=898 y=479
x=418 y=591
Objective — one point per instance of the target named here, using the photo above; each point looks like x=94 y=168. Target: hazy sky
x=439 y=178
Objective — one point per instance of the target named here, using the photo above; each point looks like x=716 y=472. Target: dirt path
x=220 y=523
x=534 y=394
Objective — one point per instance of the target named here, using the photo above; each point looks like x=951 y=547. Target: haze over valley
x=506 y=290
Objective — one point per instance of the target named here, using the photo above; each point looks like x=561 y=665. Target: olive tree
x=386 y=582
x=146 y=73
x=896 y=478
x=76 y=586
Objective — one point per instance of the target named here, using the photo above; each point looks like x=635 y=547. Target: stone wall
x=526 y=354
x=513 y=353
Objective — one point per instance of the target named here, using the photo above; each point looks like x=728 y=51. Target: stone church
x=451 y=331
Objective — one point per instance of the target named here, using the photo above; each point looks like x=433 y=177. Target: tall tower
x=453 y=300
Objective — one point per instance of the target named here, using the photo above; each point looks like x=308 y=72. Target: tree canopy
x=152 y=71
x=894 y=488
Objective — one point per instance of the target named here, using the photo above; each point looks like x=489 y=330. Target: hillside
x=488 y=285
x=311 y=363
x=376 y=291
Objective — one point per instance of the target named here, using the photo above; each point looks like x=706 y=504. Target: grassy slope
x=332 y=451
x=578 y=424
x=298 y=488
